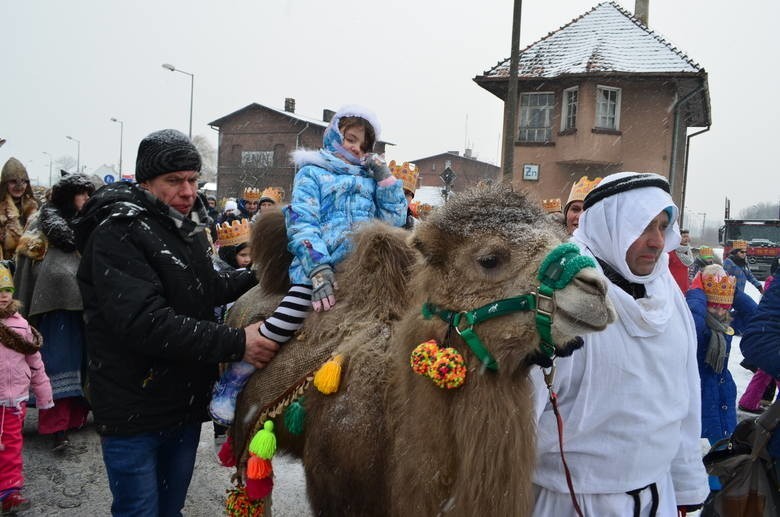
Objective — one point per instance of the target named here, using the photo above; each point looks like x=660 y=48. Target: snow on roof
x=605 y=39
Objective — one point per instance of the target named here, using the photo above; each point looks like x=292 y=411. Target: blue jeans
x=149 y=473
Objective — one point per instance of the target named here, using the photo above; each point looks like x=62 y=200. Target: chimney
x=642 y=11
x=327 y=115
x=467 y=153
x=289 y=105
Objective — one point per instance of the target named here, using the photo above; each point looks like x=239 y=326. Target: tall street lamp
x=192 y=87
x=121 y=136
x=50 y=180
x=78 y=152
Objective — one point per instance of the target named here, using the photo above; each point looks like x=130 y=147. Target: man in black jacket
x=149 y=292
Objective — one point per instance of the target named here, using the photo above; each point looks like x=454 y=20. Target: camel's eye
x=488 y=262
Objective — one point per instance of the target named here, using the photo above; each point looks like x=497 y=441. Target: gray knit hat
x=165 y=151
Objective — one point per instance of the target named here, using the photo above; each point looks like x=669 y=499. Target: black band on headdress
x=604 y=190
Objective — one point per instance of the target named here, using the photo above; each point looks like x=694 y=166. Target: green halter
x=556 y=271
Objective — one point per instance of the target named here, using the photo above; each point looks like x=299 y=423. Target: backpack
x=750 y=487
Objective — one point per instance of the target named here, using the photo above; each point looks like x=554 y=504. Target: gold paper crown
x=6 y=280
x=718 y=287
x=739 y=245
x=551 y=205
x=251 y=194
x=274 y=194
x=706 y=252
x=233 y=234
x=580 y=189
x=408 y=173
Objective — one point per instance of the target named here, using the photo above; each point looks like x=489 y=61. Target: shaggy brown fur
x=390 y=442
x=269 y=252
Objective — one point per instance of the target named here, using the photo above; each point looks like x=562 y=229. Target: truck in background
x=762 y=236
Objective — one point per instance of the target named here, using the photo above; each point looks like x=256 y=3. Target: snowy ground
x=75 y=484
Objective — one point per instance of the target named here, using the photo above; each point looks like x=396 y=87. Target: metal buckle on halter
x=545 y=304
x=462 y=316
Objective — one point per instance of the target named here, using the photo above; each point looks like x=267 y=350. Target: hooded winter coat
x=738 y=268
x=14 y=213
x=149 y=291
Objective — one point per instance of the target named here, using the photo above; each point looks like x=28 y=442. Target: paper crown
x=273 y=194
x=706 y=252
x=6 y=281
x=580 y=189
x=251 y=194
x=739 y=245
x=718 y=286
x=551 y=205
x=408 y=173
x=233 y=234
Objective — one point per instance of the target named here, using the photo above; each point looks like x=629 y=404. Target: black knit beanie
x=165 y=151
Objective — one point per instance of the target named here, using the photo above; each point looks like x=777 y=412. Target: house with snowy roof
x=255 y=143
x=602 y=94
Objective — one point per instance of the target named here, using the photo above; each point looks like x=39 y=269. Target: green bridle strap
x=556 y=271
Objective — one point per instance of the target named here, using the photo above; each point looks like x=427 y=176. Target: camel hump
x=269 y=252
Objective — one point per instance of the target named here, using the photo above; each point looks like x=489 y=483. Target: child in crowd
x=21 y=368
x=339 y=186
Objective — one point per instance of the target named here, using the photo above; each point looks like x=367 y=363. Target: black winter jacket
x=149 y=291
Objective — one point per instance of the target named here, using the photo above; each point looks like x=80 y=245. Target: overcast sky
x=69 y=66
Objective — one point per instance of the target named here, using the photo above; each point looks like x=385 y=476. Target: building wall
x=642 y=144
x=468 y=171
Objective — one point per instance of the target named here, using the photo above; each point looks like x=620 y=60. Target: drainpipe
x=685 y=166
x=677 y=106
x=298 y=140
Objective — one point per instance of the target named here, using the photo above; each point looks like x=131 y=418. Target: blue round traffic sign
x=108 y=178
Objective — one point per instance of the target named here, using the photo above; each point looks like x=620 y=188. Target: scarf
x=10 y=339
x=716 y=350
x=685 y=255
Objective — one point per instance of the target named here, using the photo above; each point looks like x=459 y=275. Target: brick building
x=468 y=170
x=602 y=94
x=255 y=143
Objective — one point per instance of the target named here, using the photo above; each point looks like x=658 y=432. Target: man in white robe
x=629 y=399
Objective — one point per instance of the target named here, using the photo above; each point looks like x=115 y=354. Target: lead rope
x=549 y=376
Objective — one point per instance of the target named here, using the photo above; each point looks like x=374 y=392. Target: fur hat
x=579 y=190
x=6 y=280
x=165 y=151
x=63 y=192
x=407 y=173
x=718 y=286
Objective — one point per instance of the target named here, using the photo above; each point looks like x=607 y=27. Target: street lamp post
x=192 y=87
x=121 y=138
x=50 y=180
x=78 y=152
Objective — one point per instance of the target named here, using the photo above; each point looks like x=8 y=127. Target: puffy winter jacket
x=20 y=372
x=149 y=291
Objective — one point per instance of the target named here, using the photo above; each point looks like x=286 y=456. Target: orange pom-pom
x=423 y=355
x=448 y=370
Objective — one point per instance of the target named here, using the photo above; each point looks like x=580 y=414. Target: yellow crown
x=739 y=245
x=719 y=287
x=580 y=189
x=408 y=173
x=6 y=281
x=251 y=194
x=551 y=205
x=274 y=194
x=233 y=234
x=706 y=252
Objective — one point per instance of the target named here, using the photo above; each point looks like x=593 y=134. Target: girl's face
x=354 y=140
x=5 y=298
x=80 y=200
x=243 y=258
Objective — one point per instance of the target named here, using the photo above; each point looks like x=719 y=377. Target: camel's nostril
x=591 y=282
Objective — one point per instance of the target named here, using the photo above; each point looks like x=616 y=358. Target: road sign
x=108 y=178
x=447 y=176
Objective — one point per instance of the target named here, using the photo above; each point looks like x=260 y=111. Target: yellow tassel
x=327 y=378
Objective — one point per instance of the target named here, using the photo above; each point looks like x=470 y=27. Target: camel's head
x=486 y=245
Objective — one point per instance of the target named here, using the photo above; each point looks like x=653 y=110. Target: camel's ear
x=430 y=243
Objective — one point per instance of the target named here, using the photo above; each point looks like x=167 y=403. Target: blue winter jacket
x=718 y=390
x=741 y=273
x=329 y=199
x=761 y=344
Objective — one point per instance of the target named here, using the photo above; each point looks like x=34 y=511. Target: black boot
x=61 y=441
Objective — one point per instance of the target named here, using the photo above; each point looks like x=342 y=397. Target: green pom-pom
x=263 y=444
x=294 y=417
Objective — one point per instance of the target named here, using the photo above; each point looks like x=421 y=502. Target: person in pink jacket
x=21 y=369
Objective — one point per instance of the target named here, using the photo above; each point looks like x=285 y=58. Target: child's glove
x=376 y=166
x=323 y=284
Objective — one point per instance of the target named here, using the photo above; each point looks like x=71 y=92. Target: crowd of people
x=127 y=286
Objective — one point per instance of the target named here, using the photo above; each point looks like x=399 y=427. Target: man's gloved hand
x=376 y=166
x=323 y=285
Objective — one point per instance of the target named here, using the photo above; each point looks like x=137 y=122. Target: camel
x=390 y=441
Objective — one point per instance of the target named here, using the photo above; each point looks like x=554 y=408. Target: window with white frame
x=608 y=108
x=536 y=111
x=257 y=159
x=569 y=115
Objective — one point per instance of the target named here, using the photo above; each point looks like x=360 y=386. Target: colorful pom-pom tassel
x=448 y=369
x=259 y=488
x=264 y=442
x=258 y=468
x=295 y=416
x=226 y=455
x=327 y=378
x=423 y=355
x=238 y=504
